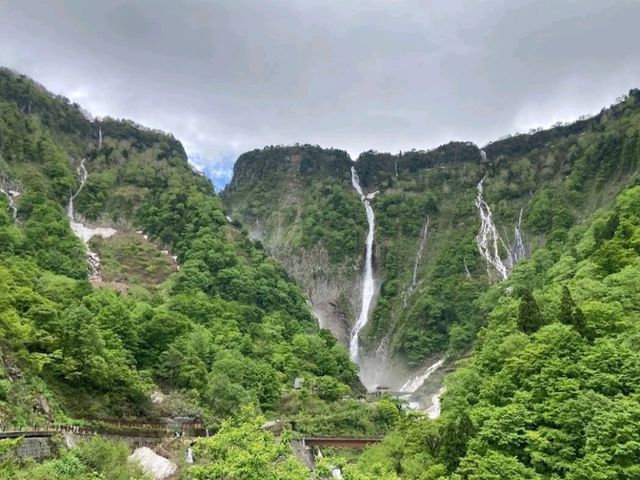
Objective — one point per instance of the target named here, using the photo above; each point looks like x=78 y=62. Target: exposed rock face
x=276 y=216
x=152 y=463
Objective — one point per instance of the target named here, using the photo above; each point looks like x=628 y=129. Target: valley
x=461 y=312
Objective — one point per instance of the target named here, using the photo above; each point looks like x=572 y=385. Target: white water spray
x=99 y=136
x=488 y=238
x=416 y=264
x=367 y=281
x=414 y=383
x=433 y=411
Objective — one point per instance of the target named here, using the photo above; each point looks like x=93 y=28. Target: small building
x=381 y=390
x=298 y=382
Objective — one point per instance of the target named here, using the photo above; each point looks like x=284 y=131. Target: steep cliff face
x=450 y=223
x=299 y=202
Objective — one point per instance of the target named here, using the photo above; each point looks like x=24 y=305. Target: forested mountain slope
x=449 y=222
x=229 y=328
x=527 y=251
x=551 y=390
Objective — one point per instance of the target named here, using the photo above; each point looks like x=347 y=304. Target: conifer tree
x=529 y=317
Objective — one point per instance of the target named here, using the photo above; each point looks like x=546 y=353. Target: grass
x=130 y=259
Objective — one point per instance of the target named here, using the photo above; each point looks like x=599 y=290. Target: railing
x=107 y=429
x=340 y=442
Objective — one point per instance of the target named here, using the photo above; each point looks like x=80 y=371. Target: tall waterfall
x=99 y=136
x=367 y=281
x=488 y=238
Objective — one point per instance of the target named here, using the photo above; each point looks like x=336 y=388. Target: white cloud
x=226 y=77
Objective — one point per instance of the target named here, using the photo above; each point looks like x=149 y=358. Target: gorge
x=493 y=289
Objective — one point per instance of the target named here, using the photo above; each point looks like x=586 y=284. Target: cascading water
x=466 y=269
x=519 y=250
x=367 y=281
x=433 y=411
x=99 y=136
x=415 y=400
x=416 y=264
x=10 y=194
x=488 y=238
x=414 y=383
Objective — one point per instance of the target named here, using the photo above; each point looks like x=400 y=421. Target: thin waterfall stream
x=414 y=278
x=368 y=285
x=83 y=232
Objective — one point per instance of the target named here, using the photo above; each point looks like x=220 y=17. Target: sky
x=228 y=76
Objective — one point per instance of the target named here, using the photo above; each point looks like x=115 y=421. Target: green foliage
x=529 y=315
x=561 y=403
x=130 y=259
x=229 y=328
x=95 y=459
x=242 y=450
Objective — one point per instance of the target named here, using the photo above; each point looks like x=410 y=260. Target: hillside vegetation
x=545 y=182
x=228 y=329
x=192 y=317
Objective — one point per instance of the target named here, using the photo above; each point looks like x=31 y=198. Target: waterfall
x=483 y=155
x=414 y=383
x=189 y=456
x=488 y=238
x=83 y=232
x=466 y=269
x=433 y=411
x=11 y=194
x=82 y=173
x=416 y=264
x=367 y=282
x=99 y=136
x=519 y=250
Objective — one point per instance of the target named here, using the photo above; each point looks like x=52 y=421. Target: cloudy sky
x=228 y=76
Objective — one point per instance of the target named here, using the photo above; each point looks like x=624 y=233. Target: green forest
x=194 y=318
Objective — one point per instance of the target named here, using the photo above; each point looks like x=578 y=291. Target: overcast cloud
x=229 y=76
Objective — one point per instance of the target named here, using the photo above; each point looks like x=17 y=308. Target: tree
x=571 y=314
x=529 y=316
x=242 y=450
